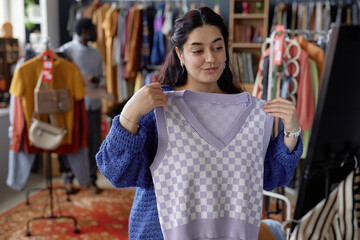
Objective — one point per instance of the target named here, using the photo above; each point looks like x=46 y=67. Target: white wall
x=4 y=10
x=17 y=19
x=13 y=11
x=50 y=21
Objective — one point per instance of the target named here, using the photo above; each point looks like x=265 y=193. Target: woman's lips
x=210 y=70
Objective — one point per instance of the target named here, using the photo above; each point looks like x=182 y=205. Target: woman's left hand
x=285 y=110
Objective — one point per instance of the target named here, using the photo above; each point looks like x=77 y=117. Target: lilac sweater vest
x=208 y=170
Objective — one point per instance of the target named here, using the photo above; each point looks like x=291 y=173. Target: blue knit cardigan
x=124 y=159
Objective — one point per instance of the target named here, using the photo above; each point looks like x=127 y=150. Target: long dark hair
x=171 y=72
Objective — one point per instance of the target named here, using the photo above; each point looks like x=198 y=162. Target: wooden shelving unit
x=9 y=54
x=242 y=29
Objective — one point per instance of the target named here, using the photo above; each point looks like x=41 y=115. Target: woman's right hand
x=141 y=103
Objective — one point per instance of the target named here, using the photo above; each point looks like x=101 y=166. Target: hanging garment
x=123 y=86
x=319 y=21
x=305 y=135
x=24 y=81
x=133 y=63
x=315 y=52
x=98 y=18
x=89 y=9
x=157 y=55
x=19 y=135
x=333 y=218
x=21 y=160
x=208 y=170
x=129 y=29
x=70 y=27
x=305 y=100
x=354 y=14
x=110 y=28
x=147 y=35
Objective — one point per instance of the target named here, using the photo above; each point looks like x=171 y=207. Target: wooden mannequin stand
x=50 y=188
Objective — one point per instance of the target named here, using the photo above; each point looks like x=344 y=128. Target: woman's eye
x=219 y=48
x=196 y=51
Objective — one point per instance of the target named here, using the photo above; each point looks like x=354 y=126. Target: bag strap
x=39 y=82
x=51 y=115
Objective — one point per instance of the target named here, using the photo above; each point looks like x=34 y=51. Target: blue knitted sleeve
x=124 y=158
x=280 y=163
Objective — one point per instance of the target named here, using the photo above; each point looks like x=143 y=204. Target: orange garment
x=316 y=53
x=133 y=64
x=98 y=18
x=88 y=11
x=110 y=28
x=305 y=106
x=24 y=81
x=130 y=22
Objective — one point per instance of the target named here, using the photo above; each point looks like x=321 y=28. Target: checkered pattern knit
x=124 y=159
x=209 y=166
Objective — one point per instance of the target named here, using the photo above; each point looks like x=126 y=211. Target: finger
x=160 y=97
x=278 y=99
x=162 y=103
x=280 y=103
x=283 y=102
x=289 y=105
x=278 y=114
x=290 y=109
x=154 y=85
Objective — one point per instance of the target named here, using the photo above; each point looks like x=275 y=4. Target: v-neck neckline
x=218 y=143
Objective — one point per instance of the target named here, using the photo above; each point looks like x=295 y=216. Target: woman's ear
x=179 y=56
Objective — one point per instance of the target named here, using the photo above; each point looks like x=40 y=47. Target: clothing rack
x=49 y=187
x=270 y=41
x=144 y=1
x=185 y=2
x=288 y=207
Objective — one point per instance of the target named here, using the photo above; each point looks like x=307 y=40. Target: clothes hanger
x=288 y=208
x=288 y=43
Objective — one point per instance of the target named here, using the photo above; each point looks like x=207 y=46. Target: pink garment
x=305 y=106
x=18 y=125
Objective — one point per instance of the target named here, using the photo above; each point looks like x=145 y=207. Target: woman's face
x=204 y=56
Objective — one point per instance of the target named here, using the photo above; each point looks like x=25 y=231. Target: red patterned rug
x=103 y=216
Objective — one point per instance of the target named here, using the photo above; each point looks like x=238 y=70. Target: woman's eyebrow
x=198 y=43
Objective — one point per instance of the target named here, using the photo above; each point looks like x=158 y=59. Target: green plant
x=28 y=24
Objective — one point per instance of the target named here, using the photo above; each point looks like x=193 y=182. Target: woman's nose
x=209 y=56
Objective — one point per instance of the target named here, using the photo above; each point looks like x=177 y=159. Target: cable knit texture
x=124 y=159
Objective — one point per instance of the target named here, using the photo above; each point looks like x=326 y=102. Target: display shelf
x=9 y=54
x=248 y=27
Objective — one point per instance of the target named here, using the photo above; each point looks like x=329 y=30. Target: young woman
x=139 y=145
